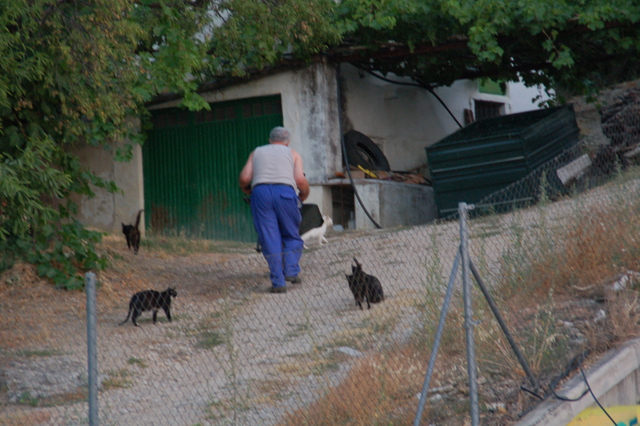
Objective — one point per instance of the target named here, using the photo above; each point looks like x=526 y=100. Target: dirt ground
x=33 y=310
x=39 y=322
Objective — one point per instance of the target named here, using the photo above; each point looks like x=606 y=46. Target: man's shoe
x=278 y=290
x=294 y=280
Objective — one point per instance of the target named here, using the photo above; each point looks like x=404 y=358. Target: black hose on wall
x=344 y=150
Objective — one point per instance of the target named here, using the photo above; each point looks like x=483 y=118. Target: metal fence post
x=503 y=326
x=92 y=347
x=436 y=343
x=463 y=208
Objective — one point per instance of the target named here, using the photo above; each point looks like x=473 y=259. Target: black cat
x=150 y=300
x=364 y=286
x=132 y=234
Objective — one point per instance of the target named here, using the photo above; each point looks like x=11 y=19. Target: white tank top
x=273 y=163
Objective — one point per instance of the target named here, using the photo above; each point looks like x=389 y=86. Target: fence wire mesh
x=559 y=257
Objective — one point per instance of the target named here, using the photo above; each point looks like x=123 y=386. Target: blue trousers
x=276 y=217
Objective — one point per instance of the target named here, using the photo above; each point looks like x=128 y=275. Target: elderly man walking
x=274 y=177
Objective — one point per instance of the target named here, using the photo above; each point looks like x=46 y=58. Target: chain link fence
x=557 y=253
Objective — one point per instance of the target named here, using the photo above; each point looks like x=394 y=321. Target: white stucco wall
x=403 y=120
x=108 y=211
x=97 y=212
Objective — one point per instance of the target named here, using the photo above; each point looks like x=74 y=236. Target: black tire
x=362 y=151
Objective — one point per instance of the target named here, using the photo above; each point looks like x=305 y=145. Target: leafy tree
x=572 y=44
x=575 y=44
x=250 y=35
x=71 y=72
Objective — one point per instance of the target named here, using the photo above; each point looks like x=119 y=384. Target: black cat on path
x=364 y=286
x=150 y=300
x=132 y=234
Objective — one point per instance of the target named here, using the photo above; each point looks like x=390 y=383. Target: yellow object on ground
x=624 y=415
x=368 y=172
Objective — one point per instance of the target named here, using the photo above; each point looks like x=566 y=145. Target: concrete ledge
x=613 y=370
x=394 y=204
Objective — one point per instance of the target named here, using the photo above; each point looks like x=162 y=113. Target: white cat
x=318 y=232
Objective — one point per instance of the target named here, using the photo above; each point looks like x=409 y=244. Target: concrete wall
x=614 y=379
x=403 y=120
x=108 y=211
x=99 y=211
x=129 y=178
x=393 y=204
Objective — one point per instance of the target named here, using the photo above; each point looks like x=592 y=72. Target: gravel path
x=235 y=354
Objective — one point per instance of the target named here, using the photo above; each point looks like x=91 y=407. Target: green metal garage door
x=191 y=165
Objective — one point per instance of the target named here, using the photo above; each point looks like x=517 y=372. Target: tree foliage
x=574 y=44
x=73 y=71
x=251 y=35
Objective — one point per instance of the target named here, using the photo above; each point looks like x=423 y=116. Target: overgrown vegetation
x=72 y=74
x=554 y=287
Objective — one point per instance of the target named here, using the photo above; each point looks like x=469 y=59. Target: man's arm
x=246 y=175
x=299 y=177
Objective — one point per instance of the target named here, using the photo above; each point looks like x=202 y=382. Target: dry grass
x=550 y=292
x=383 y=389
x=588 y=252
x=21 y=417
x=375 y=389
x=22 y=291
x=182 y=245
x=623 y=314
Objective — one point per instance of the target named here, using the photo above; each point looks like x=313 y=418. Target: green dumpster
x=491 y=154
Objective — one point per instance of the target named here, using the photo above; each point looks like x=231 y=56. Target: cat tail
x=127 y=318
x=358 y=265
x=138 y=218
